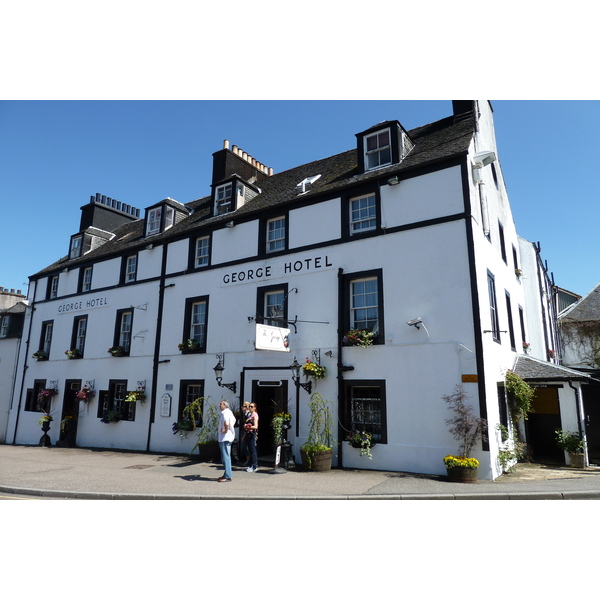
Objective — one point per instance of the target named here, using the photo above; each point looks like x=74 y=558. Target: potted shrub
x=467 y=429
x=280 y=423
x=363 y=441
x=317 y=452
x=574 y=445
x=207 y=444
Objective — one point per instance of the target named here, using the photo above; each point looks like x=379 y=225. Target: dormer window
x=76 y=242
x=378 y=150
x=153 y=225
x=223 y=198
x=382 y=145
x=160 y=218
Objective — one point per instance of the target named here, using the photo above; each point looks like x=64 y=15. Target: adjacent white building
x=409 y=235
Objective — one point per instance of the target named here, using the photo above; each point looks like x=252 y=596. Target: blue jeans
x=225 y=448
x=252 y=457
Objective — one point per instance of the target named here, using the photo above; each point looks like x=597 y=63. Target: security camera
x=415 y=322
x=483 y=159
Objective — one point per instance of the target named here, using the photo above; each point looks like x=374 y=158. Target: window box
x=189 y=347
x=40 y=355
x=73 y=353
x=118 y=351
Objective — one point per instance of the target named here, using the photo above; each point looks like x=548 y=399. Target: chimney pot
x=225 y=144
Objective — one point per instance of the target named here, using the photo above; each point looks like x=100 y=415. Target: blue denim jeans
x=252 y=457
x=225 y=448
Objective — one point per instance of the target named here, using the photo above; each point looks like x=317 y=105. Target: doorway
x=591 y=411
x=270 y=397
x=541 y=426
x=70 y=412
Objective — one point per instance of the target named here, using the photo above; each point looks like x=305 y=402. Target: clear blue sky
x=55 y=154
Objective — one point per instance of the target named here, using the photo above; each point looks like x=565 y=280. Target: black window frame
x=42 y=344
x=118 y=331
x=124 y=268
x=192 y=252
x=110 y=400
x=74 y=337
x=184 y=398
x=49 y=288
x=261 y=294
x=356 y=194
x=511 y=328
x=80 y=282
x=264 y=233
x=32 y=404
x=380 y=437
x=348 y=279
x=493 y=301
x=187 y=322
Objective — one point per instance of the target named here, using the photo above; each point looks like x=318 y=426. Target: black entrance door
x=541 y=426
x=70 y=412
x=591 y=411
x=270 y=398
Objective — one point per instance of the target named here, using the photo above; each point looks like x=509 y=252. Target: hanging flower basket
x=47 y=394
x=138 y=395
x=85 y=394
x=117 y=351
x=314 y=370
x=73 y=353
x=363 y=338
x=363 y=441
x=182 y=427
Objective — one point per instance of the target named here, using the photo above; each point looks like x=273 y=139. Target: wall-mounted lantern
x=219 y=374
x=295 y=368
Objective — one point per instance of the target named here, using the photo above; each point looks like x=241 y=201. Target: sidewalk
x=119 y=475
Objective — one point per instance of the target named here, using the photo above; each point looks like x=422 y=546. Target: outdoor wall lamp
x=295 y=368
x=219 y=374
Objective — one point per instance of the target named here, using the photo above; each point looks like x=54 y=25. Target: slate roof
x=587 y=309
x=435 y=142
x=533 y=369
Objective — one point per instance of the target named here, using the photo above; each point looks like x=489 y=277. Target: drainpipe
x=577 y=404
x=340 y=363
x=25 y=365
x=155 y=361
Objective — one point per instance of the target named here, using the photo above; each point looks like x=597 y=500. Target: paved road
x=107 y=474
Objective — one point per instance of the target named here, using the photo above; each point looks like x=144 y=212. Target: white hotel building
x=406 y=227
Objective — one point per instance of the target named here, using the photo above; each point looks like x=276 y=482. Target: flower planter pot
x=209 y=452
x=316 y=461
x=462 y=474
x=577 y=461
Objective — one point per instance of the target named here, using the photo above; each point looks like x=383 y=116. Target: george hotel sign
x=272 y=338
x=88 y=304
x=278 y=269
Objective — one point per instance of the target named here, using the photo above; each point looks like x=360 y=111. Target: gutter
x=25 y=365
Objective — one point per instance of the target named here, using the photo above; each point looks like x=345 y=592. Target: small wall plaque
x=165 y=405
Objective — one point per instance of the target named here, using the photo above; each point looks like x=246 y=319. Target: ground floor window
x=365 y=408
x=190 y=390
x=32 y=401
x=112 y=405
